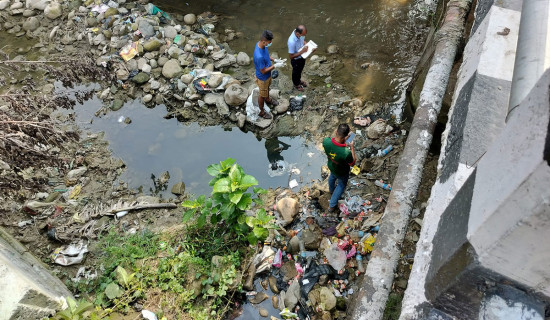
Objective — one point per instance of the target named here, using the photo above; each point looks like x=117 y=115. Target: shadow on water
x=150 y=145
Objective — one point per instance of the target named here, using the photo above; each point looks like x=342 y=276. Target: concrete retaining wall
x=27 y=289
x=483 y=230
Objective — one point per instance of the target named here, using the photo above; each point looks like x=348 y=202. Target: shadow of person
x=274 y=147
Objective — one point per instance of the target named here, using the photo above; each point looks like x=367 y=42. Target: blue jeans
x=336 y=189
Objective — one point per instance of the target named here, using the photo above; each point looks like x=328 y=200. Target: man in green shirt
x=340 y=159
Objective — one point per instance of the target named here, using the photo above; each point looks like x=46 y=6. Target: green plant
x=260 y=226
x=76 y=311
x=229 y=200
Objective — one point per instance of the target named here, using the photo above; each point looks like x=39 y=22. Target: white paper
x=293 y=183
x=310 y=47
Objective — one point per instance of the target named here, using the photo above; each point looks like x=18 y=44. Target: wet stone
x=263 y=312
x=117 y=104
x=178 y=188
x=141 y=78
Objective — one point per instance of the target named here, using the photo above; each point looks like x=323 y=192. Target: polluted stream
x=151 y=145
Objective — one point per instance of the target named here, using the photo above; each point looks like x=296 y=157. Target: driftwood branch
x=144 y=206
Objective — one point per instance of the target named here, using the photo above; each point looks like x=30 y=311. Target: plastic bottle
x=384 y=152
x=356 y=235
x=302 y=249
x=382 y=185
x=360 y=266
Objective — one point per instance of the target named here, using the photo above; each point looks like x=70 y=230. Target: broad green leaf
x=259 y=190
x=235 y=174
x=227 y=210
x=213 y=169
x=248 y=181
x=258 y=202
x=260 y=233
x=252 y=238
x=222 y=185
x=201 y=221
x=250 y=221
x=212 y=182
x=190 y=204
x=113 y=291
x=83 y=306
x=208 y=203
x=227 y=163
x=235 y=197
x=122 y=276
x=217 y=198
x=200 y=199
x=189 y=214
x=245 y=202
x=72 y=304
x=241 y=219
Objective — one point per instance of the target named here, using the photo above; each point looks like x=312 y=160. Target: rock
x=312 y=236
x=52 y=10
x=178 y=188
x=152 y=45
x=328 y=300
x=172 y=69
x=117 y=104
x=91 y=22
x=258 y=298
x=235 y=95
x=282 y=107
x=288 y=208
x=146 y=68
x=110 y=12
x=241 y=120
x=16 y=5
x=4 y=4
x=162 y=61
x=225 y=62
x=275 y=302
x=248 y=284
x=141 y=78
x=402 y=283
x=218 y=55
x=263 y=312
x=170 y=32
x=141 y=62
x=146 y=29
x=31 y=24
x=289 y=270
x=28 y=13
x=212 y=98
x=243 y=59
x=147 y=98
x=48 y=88
x=186 y=78
x=292 y=295
x=273 y=284
x=332 y=49
x=377 y=129
x=36 y=4
x=190 y=19
x=155 y=85
x=132 y=64
x=122 y=74
x=215 y=80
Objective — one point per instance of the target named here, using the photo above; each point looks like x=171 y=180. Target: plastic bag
x=277 y=169
x=336 y=257
x=264 y=259
x=252 y=108
x=376 y=129
x=129 y=51
x=72 y=254
x=278 y=260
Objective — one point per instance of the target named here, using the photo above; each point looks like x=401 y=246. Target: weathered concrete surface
x=28 y=290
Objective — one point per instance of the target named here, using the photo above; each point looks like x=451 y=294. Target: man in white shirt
x=295 y=42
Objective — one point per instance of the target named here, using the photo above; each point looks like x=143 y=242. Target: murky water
x=388 y=34
x=150 y=145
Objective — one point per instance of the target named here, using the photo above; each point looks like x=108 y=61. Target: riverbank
x=60 y=184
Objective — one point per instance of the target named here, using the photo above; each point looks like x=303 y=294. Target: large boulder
x=243 y=59
x=172 y=69
x=35 y=4
x=31 y=24
x=235 y=95
x=225 y=62
x=152 y=45
x=146 y=28
x=52 y=10
x=288 y=208
x=4 y=4
x=190 y=19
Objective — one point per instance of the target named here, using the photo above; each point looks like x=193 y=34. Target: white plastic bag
x=252 y=108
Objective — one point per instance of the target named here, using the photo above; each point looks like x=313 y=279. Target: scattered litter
x=146 y=314
x=71 y=254
x=129 y=51
x=336 y=257
x=382 y=185
x=23 y=223
x=310 y=154
x=121 y=214
x=293 y=183
x=121 y=119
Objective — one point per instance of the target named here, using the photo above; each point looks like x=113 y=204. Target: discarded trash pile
x=310 y=265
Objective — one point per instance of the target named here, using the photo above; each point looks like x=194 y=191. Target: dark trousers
x=297 y=67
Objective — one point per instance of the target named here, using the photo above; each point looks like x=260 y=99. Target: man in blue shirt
x=295 y=43
x=263 y=66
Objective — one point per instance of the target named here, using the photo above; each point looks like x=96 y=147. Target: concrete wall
x=484 y=227
x=27 y=289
